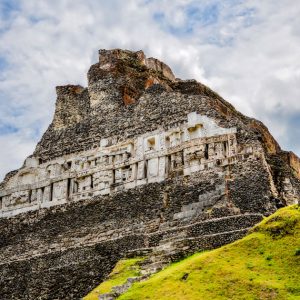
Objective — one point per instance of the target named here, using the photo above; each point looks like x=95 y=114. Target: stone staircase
x=177 y=243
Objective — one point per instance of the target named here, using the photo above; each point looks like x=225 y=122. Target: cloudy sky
x=247 y=51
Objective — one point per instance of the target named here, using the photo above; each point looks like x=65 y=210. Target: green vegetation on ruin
x=263 y=265
x=125 y=268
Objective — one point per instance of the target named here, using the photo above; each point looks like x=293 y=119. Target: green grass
x=263 y=265
x=124 y=269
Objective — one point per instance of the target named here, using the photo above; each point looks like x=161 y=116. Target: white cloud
x=246 y=50
x=14 y=149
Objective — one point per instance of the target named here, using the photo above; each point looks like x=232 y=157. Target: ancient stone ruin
x=113 y=167
x=137 y=162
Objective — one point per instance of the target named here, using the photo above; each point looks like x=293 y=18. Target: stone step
x=181 y=247
x=169 y=239
x=138 y=252
x=120 y=289
x=107 y=297
x=177 y=248
x=208 y=242
x=175 y=223
x=154 y=267
x=210 y=226
x=162 y=246
x=202 y=228
x=225 y=224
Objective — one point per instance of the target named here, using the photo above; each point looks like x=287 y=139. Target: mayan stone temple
x=137 y=162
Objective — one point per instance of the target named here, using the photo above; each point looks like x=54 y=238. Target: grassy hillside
x=124 y=269
x=263 y=265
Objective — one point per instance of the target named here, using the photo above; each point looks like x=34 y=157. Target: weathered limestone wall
x=65 y=250
x=138 y=159
x=294 y=162
x=197 y=144
x=72 y=106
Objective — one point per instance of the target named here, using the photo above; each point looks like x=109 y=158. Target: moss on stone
x=263 y=265
x=124 y=269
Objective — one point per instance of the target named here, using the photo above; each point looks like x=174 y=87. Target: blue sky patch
x=195 y=16
x=206 y=16
x=7 y=129
x=7 y=7
x=3 y=64
x=209 y=18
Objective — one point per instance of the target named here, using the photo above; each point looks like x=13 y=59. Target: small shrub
x=269 y=257
x=185 y=276
x=297 y=252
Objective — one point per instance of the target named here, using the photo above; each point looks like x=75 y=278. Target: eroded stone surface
x=196 y=145
x=136 y=160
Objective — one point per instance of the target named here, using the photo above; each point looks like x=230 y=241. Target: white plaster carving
x=190 y=147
